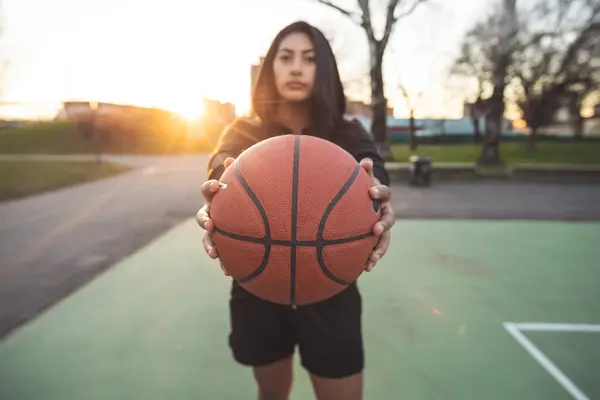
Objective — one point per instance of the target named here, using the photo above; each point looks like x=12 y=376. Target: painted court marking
x=516 y=329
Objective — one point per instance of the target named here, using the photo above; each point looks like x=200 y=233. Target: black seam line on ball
x=328 y=210
x=295 y=172
x=265 y=219
x=298 y=243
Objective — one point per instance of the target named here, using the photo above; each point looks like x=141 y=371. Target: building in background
x=216 y=117
x=478 y=109
x=74 y=109
x=254 y=70
x=359 y=108
x=217 y=112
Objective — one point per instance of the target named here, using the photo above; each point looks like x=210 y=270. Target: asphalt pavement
x=52 y=244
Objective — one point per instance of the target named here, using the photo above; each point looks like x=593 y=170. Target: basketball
x=294 y=223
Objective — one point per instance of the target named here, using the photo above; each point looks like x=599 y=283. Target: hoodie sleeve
x=234 y=139
x=361 y=145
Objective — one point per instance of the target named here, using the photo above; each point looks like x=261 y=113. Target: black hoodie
x=245 y=132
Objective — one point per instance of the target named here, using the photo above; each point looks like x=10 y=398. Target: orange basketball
x=294 y=224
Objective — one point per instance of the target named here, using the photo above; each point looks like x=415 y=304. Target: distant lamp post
x=96 y=136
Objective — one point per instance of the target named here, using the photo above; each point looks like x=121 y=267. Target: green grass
x=44 y=138
x=510 y=152
x=63 y=138
x=24 y=178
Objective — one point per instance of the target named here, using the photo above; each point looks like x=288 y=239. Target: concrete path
x=498 y=200
x=53 y=243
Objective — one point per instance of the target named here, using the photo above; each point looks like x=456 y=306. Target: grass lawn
x=62 y=138
x=510 y=152
x=24 y=178
x=57 y=137
x=44 y=138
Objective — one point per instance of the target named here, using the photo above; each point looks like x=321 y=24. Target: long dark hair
x=328 y=99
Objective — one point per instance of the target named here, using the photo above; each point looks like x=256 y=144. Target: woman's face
x=294 y=67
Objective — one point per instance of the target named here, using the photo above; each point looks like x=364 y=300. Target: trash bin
x=420 y=171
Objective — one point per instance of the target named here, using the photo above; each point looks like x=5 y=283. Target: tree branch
x=392 y=18
x=390 y=21
x=405 y=94
x=585 y=35
x=354 y=17
x=366 y=20
x=412 y=8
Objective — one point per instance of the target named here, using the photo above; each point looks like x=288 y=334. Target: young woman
x=299 y=91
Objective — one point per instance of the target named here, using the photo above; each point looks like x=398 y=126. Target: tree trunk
x=378 y=103
x=578 y=127
x=413 y=131
x=476 y=131
x=490 y=151
x=575 y=106
x=531 y=141
x=490 y=154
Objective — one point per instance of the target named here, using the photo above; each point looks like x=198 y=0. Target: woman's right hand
x=209 y=188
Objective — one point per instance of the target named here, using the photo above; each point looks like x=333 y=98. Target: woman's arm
x=234 y=139
x=358 y=142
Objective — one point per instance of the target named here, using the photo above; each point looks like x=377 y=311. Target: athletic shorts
x=328 y=333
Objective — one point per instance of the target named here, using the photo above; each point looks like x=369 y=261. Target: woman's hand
x=388 y=218
x=209 y=188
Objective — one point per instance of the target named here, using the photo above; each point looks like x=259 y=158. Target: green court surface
x=438 y=311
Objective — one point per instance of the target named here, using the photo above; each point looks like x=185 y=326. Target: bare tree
x=395 y=11
x=411 y=104
x=559 y=67
x=486 y=55
x=501 y=50
x=476 y=62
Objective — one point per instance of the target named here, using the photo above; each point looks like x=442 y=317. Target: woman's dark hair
x=328 y=99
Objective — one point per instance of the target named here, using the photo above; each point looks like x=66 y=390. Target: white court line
x=514 y=330
x=543 y=327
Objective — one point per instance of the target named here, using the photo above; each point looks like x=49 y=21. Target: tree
x=377 y=48
x=486 y=56
x=476 y=61
x=501 y=50
x=557 y=67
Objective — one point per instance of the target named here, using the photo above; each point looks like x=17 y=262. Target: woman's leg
x=350 y=388
x=331 y=346
x=263 y=337
x=274 y=380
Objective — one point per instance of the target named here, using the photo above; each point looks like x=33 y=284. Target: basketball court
x=478 y=309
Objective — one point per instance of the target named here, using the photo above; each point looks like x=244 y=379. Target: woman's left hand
x=388 y=218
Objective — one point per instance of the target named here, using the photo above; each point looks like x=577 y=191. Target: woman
x=299 y=91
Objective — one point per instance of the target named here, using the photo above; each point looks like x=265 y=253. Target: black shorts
x=328 y=333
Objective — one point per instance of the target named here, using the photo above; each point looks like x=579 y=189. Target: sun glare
x=190 y=111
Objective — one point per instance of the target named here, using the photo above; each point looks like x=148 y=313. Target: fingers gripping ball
x=294 y=224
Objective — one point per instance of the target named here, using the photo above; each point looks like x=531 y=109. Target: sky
x=172 y=54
